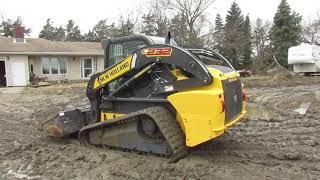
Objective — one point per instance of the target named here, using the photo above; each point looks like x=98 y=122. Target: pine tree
x=286 y=31
x=155 y=24
x=8 y=27
x=90 y=37
x=233 y=36
x=247 y=46
x=124 y=28
x=162 y=24
x=60 y=34
x=52 y=33
x=73 y=32
x=48 y=31
x=102 y=30
x=218 y=34
x=179 y=30
x=149 y=24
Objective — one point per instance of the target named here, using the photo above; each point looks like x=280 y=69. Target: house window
x=54 y=65
x=88 y=67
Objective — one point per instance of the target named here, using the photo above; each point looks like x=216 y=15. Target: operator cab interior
x=120 y=48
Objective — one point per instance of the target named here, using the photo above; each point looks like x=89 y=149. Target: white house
x=54 y=60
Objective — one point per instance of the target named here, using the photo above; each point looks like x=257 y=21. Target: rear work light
x=223 y=106
x=244 y=95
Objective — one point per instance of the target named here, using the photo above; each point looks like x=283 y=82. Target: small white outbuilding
x=305 y=58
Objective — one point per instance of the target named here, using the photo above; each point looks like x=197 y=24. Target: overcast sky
x=86 y=13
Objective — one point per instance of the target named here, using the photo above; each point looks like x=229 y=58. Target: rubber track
x=164 y=119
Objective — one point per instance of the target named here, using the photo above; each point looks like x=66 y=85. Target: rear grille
x=232 y=98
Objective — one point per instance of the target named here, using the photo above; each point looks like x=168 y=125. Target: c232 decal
x=157 y=52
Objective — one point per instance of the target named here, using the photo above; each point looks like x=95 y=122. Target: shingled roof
x=38 y=46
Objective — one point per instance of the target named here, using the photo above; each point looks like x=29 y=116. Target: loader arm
x=144 y=59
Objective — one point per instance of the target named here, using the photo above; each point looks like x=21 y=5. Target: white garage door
x=19 y=73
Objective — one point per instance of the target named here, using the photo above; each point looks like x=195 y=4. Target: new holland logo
x=156 y=52
x=113 y=72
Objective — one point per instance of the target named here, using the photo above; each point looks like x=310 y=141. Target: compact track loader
x=155 y=97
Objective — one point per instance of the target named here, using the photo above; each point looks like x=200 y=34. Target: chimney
x=19 y=35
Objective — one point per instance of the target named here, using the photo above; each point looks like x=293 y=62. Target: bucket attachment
x=66 y=122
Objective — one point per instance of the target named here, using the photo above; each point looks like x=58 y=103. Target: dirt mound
x=283 y=75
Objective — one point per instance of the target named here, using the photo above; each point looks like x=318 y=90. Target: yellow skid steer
x=155 y=97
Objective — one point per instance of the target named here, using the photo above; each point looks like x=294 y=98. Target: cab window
x=119 y=51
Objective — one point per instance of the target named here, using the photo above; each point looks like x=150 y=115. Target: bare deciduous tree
x=261 y=32
x=193 y=13
x=184 y=18
x=160 y=10
x=261 y=41
x=157 y=22
x=192 y=10
x=311 y=30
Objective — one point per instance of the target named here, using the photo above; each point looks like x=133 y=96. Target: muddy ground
x=273 y=142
